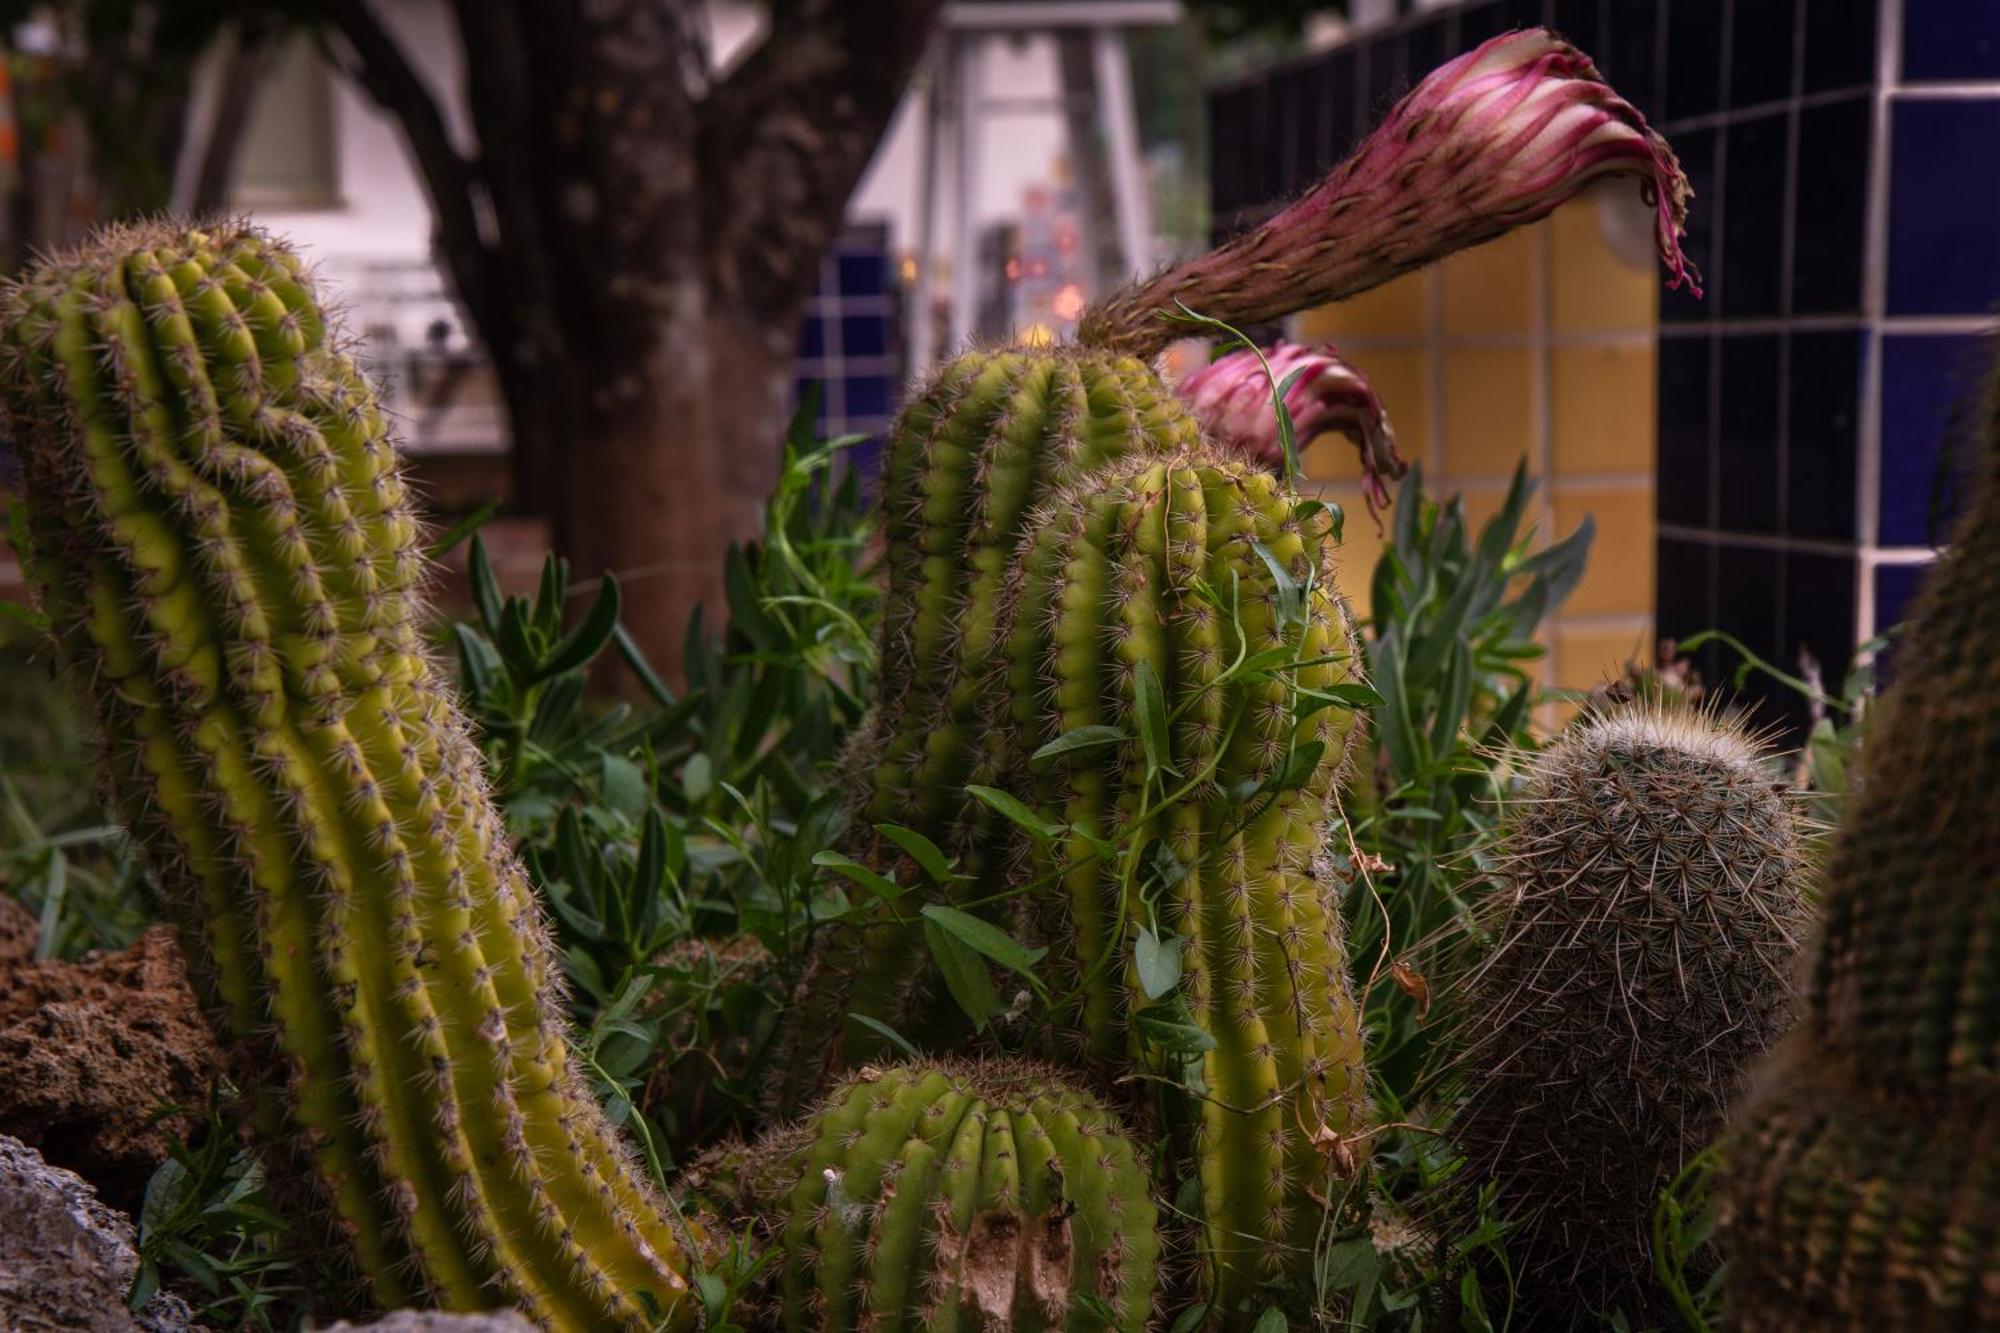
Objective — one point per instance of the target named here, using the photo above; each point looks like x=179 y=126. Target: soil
x=91 y=1050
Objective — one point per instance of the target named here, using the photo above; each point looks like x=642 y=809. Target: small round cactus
x=974 y=1196
x=1641 y=944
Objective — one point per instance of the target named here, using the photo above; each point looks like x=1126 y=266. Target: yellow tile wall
x=1539 y=346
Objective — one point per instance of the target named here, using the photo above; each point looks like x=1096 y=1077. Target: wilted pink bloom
x=1231 y=398
x=1496 y=138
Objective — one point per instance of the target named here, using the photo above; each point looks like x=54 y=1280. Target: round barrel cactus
x=230 y=564
x=1643 y=932
x=1864 y=1170
x=963 y=1196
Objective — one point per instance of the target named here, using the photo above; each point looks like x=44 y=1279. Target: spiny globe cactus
x=1865 y=1166
x=1650 y=879
x=974 y=1196
x=229 y=561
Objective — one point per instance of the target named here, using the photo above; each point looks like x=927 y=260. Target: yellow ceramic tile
x=1586 y=658
x=1395 y=309
x=1481 y=504
x=1398 y=380
x=1618 y=577
x=1589 y=286
x=1488 y=409
x=1603 y=410
x=1487 y=289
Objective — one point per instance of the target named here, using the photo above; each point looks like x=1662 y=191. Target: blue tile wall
x=1694 y=58
x=1819 y=619
x=1951 y=40
x=1822 y=444
x=1944 y=207
x=1697 y=152
x=1896 y=586
x=849 y=351
x=1753 y=219
x=1747 y=481
x=1839 y=45
x=1829 y=233
x=1762 y=42
x=1686 y=465
x=1930 y=382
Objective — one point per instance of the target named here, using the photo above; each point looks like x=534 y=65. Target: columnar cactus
x=1650 y=894
x=1202 y=576
x=1865 y=1166
x=229 y=560
x=963 y=1196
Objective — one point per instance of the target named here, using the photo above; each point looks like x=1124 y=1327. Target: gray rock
x=66 y=1260
x=433 y=1321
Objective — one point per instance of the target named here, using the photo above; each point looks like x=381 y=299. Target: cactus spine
x=1649 y=901
x=1865 y=1167
x=230 y=562
x=976 y=1196
x=1165 y=568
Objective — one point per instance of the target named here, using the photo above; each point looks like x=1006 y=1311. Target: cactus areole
x=229 y=562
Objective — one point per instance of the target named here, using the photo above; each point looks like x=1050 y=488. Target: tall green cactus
x=1187 y=604
x=962 y=1196
x=229 y=560
x=1865 y=1166
x=1651 y=896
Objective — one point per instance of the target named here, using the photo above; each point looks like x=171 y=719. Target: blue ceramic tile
x=1479 y=23
x=1753 y=219
x=1829 y=226
x=1226 y=110
x=1426 y=50
x=1694 y=58
x=1896 y=586
x=1746 y=452
x=1684 y=591
x=1824 y=400
x=1337 y=73
x=1762 y=39
x=864 y=335
x=1748 y=606
x=1840 y=44
x=1944 y=207
x=1292 y=127
x=870 y=396
x=1930 y=382
x=1631 y=57
x=1819 y=618
x=812 y=337
x=1526 y=13
x=1951 y=39
x=1686 y=461
x=1581 y=23
x=1388 y=73
x=864 y=274
x=1696 y=150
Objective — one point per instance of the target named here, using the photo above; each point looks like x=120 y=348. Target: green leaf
x=697 y=777
x=1271 y=1321
x=964 y=974
x=459 y=531
x=1015 y=812
x=921 y=849
x=1154 y=735
x=986 y=938
x=640 y=667
x=876 y=883
x=587 y=640
x=625 y=787
x=485 y=587
x=1291 y=593
x=880 y=1028
x=1158 y=961
x=1170 y=1025
x=1077 y=739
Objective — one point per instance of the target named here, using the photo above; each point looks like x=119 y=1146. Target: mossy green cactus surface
x=1864 y=1170
x=962 y=1196
x=229 y=559
x=1649 y=900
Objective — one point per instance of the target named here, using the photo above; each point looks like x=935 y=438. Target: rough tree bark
x=633 y=237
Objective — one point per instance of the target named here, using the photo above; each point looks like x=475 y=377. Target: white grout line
x=1945 y=324
x=1711 y=120
x=1875 y=304
x=1761 y=541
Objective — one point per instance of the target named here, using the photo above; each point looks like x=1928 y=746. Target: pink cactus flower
x=1495 y=139
x=1231 y=398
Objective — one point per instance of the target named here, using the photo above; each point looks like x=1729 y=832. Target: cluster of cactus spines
x=1865 y=1167
x=1650 y=894
x=229 y=558
x=1490 y=141
x=963 y=1196
x=970 y=459
x=1164 y=566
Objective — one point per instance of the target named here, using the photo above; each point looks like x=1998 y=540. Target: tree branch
x=787 y=134
x=377 y=63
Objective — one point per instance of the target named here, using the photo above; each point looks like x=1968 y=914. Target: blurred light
x=1069 y=302
x=1013 y=268
x=906 y=270
x=1035 y=335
